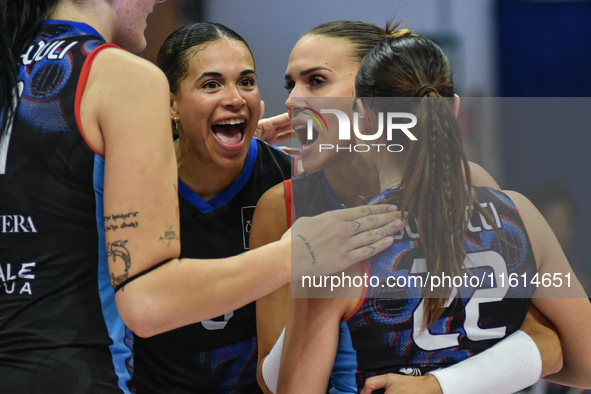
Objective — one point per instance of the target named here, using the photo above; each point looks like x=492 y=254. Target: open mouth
x=229 y=132
x=301 y=130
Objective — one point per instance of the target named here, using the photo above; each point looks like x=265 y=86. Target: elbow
x=139 y=314
x=552 y=359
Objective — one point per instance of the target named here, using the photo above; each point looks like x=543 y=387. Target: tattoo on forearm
x=118 y=251
x=170 y=235
x=111 y=223
x=300 y=236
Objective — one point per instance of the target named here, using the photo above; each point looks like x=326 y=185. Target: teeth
x=299 y=127
x=307 y=145
x=229 y=121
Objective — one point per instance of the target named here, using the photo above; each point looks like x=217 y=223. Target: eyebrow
x=219 y=75
x=309 y=71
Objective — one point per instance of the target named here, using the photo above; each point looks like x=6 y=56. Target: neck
x=204 y=177
x=97 y=14
x=353 y=184
x=390 y=171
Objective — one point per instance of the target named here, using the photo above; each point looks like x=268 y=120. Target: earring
x=362 y=117
x=175 y=119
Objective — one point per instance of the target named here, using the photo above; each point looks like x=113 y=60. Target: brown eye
x=247 y=82
x=211 y=85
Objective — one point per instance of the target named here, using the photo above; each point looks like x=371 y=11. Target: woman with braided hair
x=412 y=330
x=324 y=63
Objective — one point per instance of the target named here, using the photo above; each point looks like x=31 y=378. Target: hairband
x=423 y=91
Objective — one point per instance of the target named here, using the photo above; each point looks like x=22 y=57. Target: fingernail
x=398 y=223
x=392 y=208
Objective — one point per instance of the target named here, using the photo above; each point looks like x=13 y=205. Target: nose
x=233 y=98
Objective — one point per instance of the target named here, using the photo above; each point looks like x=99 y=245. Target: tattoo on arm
x=300 y=236
x=170 y=235
x=119 y=253
x=112 y=224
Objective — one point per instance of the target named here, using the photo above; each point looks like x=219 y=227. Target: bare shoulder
x=526 y=208
x=273 y=199
x=480 y=177
x=119 y=68
x=270 y=219
x=543 y=241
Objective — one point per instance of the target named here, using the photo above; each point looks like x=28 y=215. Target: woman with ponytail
x=453 y=229
x=89 y=204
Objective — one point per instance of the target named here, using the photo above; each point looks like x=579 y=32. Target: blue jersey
x=386 y=328
x=59 y=327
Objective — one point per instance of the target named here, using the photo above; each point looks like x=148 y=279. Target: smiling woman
x=215 y=108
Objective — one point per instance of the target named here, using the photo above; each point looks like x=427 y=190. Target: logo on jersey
x=410 y=371
x=247 y=214
x=16 y=224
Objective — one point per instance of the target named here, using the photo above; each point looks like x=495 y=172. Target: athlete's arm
x=124 y=114
x=268 y=225
x=535 y=324
x=310 y=345
x=567 y=307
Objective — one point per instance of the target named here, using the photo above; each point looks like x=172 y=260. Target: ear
x=262 y=109
x=456 y=106
x=174 y=107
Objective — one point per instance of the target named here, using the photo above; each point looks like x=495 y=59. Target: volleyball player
x=408 y=333
x=89 y=204
x=324 y=64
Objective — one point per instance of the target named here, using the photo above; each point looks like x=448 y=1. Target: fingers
x=289 y=151
x=373 y=222
x=271 y=130
x=376 y=383
x=376 y=234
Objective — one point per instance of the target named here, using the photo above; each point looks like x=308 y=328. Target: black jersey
x=218 y=355
x=386 y=327
x=59 y=328
x=312 y=195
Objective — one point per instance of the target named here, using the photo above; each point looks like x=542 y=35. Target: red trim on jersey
x=295 y=165
x=366 y=270
x=82 y=84
x=289 y=207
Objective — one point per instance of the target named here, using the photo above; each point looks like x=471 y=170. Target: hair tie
x=423 y=91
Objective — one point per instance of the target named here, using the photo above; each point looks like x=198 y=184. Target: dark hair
x=19 y=22
x=177 y=49
x=363 y=36
x=435 y=168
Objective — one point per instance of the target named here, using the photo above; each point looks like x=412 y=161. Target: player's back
x=386 y=329
x=58 y=321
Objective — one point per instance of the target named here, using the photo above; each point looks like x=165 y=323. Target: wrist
x=431 y=385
